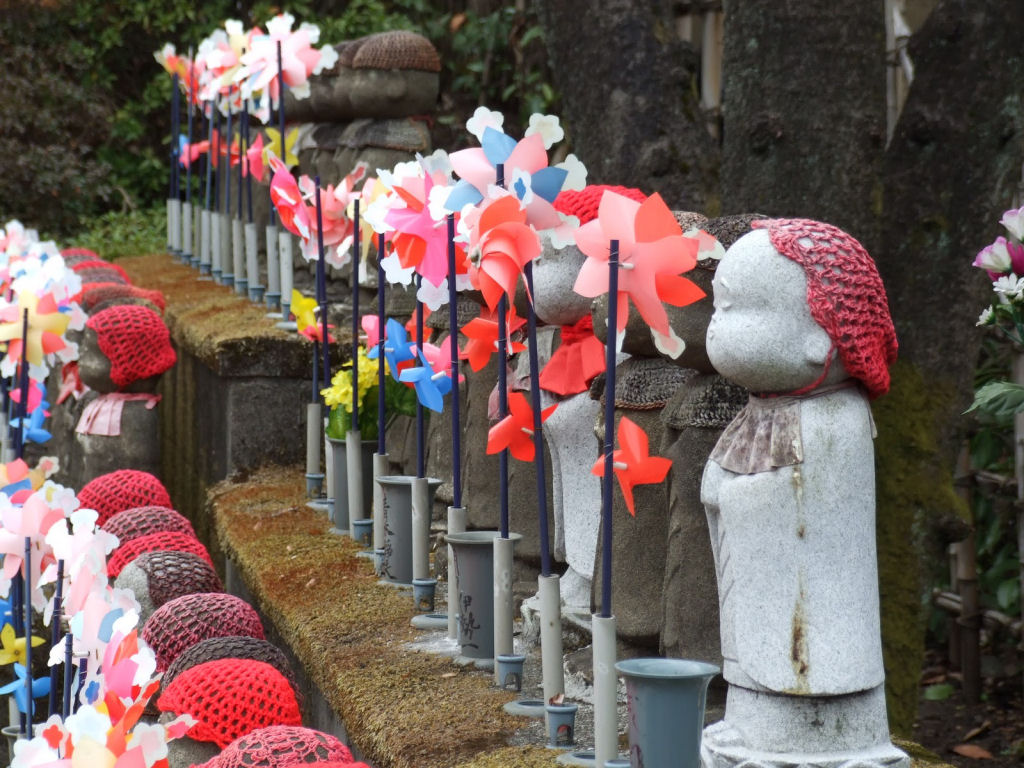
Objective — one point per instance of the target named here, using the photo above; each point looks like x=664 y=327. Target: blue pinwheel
x=40 y=688
x=397 y=347
x=431 y=386
x=33 y=430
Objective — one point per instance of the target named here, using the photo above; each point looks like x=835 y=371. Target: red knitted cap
x=844 y=293
x=97 y=293
x=74 y=256
x=173 y=573
x=89 y=268
x=184 y=621
x=120 y=490
x=162 y=541
x=230 y=698
x=135 y=340
x=281 y=746
x=136 y=522
x=584 y=203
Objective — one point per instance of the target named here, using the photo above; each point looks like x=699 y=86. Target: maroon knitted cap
x=171 y=574
x=181 y=623
x=133 y=523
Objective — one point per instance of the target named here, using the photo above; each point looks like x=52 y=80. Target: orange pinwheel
x=482 y=333
x=632 y=462
x=515 y=431
x=46 y=326
x=506 y=244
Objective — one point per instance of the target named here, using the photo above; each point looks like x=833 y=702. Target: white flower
x=482 y=119
x=577 y=178
x=994 y=257
x=1009 y=285
x=234 y=27
x=328 y=58
x=433 y=296
x=394 y=272
x=280 y=26
x=986 y=316
x=436 y=162
x=152 y=739
x=564 y=234
x=436 y=200
x=1013 y=220
x=87 y=723
x=548 y=127
x=312 y=31
x=37 y=752
x=521 y=186
x=339 y=255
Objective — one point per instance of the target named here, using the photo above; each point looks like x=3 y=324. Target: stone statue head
x=799 y=304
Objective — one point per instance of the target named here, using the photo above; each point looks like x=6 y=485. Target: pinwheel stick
x=538 y=436
x=26 y=720
x=19 y=444
x=609 y=430
x=355 y=317
x=209 y=157
x=58 y=602
x=453 y=336
x=381 y=373
x=188 y=170
x=499 y=171
x=68 y=671
x=420 y=431
x=173 y=192
x=321 y=283
x=248 y=170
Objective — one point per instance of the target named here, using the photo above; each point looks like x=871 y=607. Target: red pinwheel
x=284 y=193
x=515 y=431
x=632 y=462
x=482 y=333
x=506 y=244
x=652 y=255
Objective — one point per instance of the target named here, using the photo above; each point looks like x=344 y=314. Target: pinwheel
x=398 y=350
x=420 y=240
x=482 y=335
x=273 y=147
x=526 y=171
x=36 y=393
x=40 y=688
x=287 y=199
x=15 y=480
x=254 y=165
x=13 y=648
x=306 y=320
x=632 y=462
x=440 y=358
x=515 y=431
x=46 y=324
x=371 y=327
x=337 y=226
x=31 y=520
x=653 y=253
x=505 y=244
x=431 y=386
x=33 y=430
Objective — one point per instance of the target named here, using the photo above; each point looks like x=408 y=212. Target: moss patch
x=402 y=708
x=915 y=492
x=230 y=334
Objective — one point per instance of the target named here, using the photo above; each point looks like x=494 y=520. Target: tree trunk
x=804 y=111
x=631 y=103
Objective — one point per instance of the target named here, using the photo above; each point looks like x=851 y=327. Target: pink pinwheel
x=32 y=520
x=254 y=159
x=420 y=239
x=338 y=227
x=371 y=327
x=284 y=193
x=506 y=244
x=440 y=358
x=482 y=333
x=632 y=463
x=515 y=431
x=652 y=254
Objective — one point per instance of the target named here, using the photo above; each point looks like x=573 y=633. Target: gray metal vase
x=396 y=562
x=339 y=470
x=666 y=700
x=474 y=564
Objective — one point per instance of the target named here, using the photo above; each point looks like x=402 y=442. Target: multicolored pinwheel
x=431 y=386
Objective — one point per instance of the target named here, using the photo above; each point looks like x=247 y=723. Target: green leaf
x=1000 y=399
x=939 y=692
x=1008 y=594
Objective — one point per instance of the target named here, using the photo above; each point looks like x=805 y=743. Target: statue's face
x=762 y=335
x=93 y=365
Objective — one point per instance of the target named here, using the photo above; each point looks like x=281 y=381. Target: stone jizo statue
x=801 y=320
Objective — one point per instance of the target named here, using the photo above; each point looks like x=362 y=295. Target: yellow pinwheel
x=13 y=648
x=304 y=310
x=46 y=326
x=273 y=146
